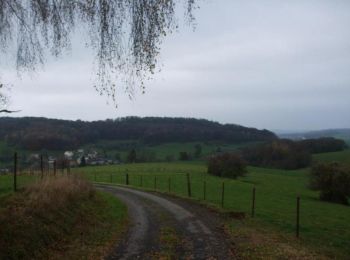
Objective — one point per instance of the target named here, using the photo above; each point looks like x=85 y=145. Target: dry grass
x=58 y=192
x=252 y=241
x=56 y=218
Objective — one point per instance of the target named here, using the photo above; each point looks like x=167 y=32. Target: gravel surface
x=193 y=231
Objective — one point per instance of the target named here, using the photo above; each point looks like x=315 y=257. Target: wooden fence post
x=42 y=166
x=155 y=182
x=189 y=192
x=141 y=180
x=253 y=203
x=127 y=179
x=222 y=194
x=54 y=168
x=298 y=218
x=15 y=171
x=62 y=164
x=47 y=168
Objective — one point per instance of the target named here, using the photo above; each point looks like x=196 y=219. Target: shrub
x=184 y=156
x=227 y=165
x=332 y=180
x=131 y=158
x=197 y=150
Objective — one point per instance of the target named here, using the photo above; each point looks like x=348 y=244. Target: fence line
x=177 y=183
x=171 y=183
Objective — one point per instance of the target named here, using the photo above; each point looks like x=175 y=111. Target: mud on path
x=163 y=227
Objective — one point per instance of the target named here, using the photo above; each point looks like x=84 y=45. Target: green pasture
x=323 y=225
x=7 y=182
x=161 y=152
x=342 y=156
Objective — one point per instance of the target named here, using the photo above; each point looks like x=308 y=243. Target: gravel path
x=164 y=227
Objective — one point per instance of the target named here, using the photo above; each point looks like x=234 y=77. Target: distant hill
x=336 y=133
x=32 y=133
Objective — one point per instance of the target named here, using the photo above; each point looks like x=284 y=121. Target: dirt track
x=168 y=228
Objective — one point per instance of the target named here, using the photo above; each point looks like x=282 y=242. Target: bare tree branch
x=9 y=111
x=125 y=35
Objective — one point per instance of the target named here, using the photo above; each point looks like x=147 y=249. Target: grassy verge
x=59 y=218
x=254 y=240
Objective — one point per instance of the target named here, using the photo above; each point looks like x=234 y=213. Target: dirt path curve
x=168 y=228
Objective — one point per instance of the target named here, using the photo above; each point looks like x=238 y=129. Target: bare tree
x=125 y=34
x=3 y=100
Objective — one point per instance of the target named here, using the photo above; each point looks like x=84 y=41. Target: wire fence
x=221 y=194
x=24 y=173
x=300 y=215
x=304 y=215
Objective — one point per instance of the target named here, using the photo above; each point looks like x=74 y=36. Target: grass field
x=6 y=182
x=343 y=156
x=324 y=226
x=161 y=152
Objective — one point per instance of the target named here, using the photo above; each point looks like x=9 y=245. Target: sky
x=279 y=65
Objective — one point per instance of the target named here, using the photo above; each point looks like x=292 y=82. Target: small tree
x=117 y=156
x=131 y=156
x=82 y=161
x=169 y=158
x=332 y=180
x=184 y=156
x=228 y=165
x=197 y=150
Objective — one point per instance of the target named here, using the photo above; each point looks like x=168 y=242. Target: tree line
x=288 y=154
x=52 y=134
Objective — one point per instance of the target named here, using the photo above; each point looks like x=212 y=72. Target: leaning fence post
x=42 y=166
x=222 y=194
x=54 y=168
x=189 y=192
x=15 y=171
x=47 y=163
x=298 y=217
x=253 y=203
x=62 y=164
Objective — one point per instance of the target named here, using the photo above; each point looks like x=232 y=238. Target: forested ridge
x=34 y=133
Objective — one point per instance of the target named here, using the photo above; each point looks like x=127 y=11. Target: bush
x=227 y=165
x=184 y=156
x=332 y=180
x=131 y=158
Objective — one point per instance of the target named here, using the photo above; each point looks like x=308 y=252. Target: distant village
x=78 y=158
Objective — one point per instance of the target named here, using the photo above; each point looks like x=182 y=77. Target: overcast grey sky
x=267 y=64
